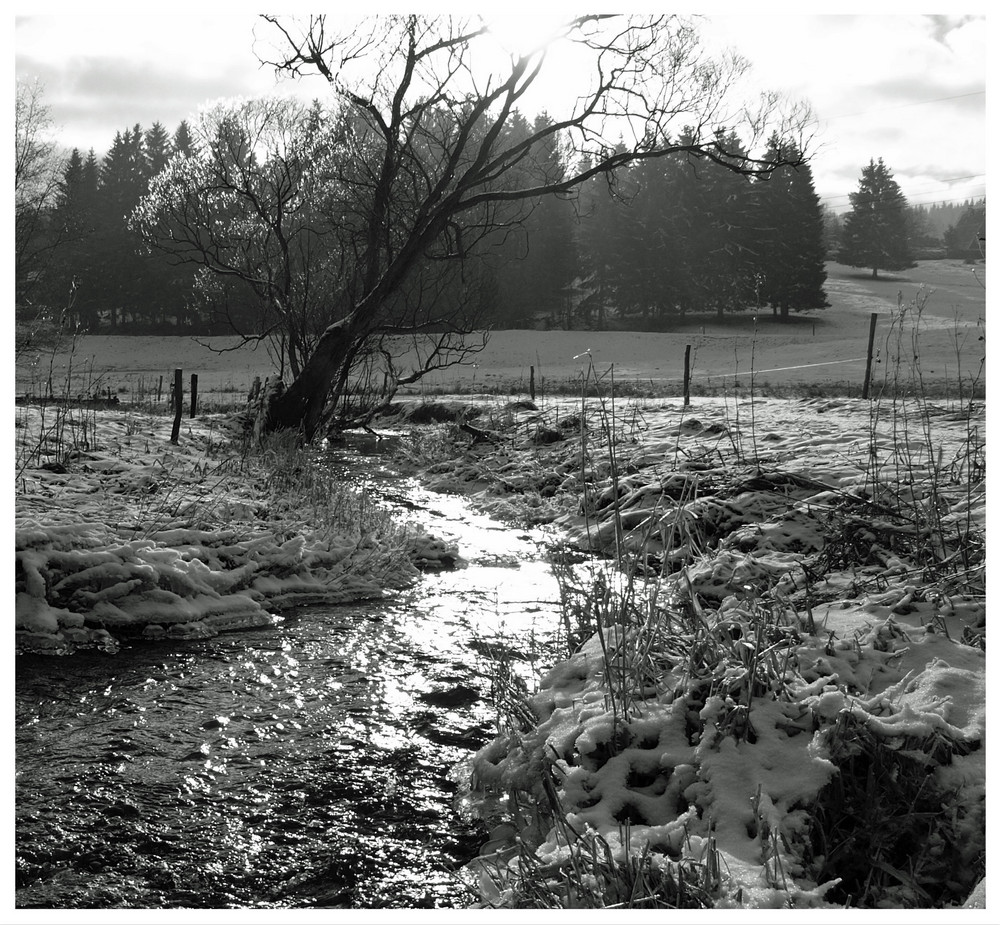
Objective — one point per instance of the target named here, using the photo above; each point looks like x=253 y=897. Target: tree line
x=666 y=240
x=669 y=238
x=662 y=240
x=416 y=204
x=76 y=258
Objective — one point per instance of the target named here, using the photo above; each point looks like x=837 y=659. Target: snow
x=729 y=500
x=136 y=536
x=797 y=514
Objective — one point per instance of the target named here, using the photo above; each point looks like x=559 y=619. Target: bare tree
x=37 y=171
x=268 y=203
x=427 y=168
x=240 y=205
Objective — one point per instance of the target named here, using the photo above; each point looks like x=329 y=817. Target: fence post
x=531 y=383
x=178 y=404
x=868 y=363
x=194 y=394
x=687 y=375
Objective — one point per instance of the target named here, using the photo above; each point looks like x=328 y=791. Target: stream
x=311 y=763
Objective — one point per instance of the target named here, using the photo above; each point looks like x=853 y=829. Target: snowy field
x=120 y=532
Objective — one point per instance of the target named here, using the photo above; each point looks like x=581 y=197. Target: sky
x=907 y=88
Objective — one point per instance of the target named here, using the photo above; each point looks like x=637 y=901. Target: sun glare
x=567 y=70
x=522 y=33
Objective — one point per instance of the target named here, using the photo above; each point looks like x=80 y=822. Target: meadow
x=822 y=351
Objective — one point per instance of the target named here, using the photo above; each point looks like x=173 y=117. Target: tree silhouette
x=875 y=232
x=791 y=252
x=74 y=216
x=427 y=169
x=183 y=143
x=37 y=168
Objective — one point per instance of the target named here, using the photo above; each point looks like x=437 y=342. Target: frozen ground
x=797 y=703
x=119 y=532
x=828 y=551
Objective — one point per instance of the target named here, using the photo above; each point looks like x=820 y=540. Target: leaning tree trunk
x=301 y=406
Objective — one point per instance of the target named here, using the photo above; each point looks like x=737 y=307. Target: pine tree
x=550 y=257
x=183 y=140
x=661 y=243
x=505 y=251
x=791 y=253
x=71 y=189
x=115 y=268
x=158 y=149
x=603 y=239
x=531 y=253
x=729 y=236
x=135 y=286
x=123 y=171
x=74 y=215
x=638 y=270
x=875 y=230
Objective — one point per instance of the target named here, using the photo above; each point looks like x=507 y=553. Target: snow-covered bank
x=785 y=706
x=118 y=533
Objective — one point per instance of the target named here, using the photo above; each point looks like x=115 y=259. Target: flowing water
x=311 y=763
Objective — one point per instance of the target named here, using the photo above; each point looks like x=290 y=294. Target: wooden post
x=868 y=364
x=194 y=394
x=178 y=404
x=159 y=390
x=531 y=383
x=687 y=375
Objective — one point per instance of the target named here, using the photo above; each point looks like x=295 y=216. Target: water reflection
x=303 y=764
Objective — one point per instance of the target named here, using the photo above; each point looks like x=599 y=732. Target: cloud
x=93 y=97
x=908 y=88
x=944 y=27
x=102 y=73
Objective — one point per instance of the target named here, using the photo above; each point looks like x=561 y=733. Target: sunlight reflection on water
x=303 y=764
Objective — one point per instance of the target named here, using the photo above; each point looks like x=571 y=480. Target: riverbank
x=303 y=764
x=780 y=699
x=781 y=696
x=119 y=532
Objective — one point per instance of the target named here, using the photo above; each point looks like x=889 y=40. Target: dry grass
x=883 y=825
